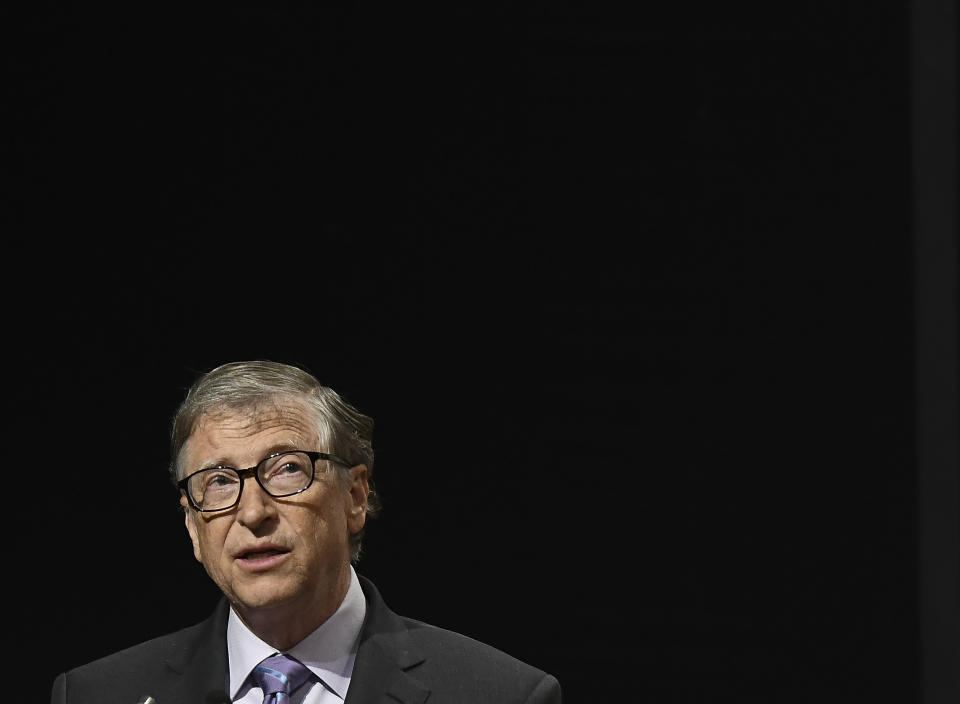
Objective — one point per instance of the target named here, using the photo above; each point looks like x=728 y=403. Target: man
x=274 y=471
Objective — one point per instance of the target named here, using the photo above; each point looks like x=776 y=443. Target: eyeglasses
x=281 y=474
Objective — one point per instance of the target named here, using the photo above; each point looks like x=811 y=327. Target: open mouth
x=261 y=558
x=260 y=554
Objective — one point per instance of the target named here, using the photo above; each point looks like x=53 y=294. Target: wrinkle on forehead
x=240 y=424
x=237 y=426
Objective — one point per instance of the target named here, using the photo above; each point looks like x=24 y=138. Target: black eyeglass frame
x=253 y=472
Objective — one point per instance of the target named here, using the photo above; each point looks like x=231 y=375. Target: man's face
x=287 y=556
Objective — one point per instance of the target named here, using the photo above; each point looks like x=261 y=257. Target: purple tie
x=279 y=676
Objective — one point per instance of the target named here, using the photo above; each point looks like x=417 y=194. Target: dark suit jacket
x=398 y=660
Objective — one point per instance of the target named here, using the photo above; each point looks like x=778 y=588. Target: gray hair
x=250 y=387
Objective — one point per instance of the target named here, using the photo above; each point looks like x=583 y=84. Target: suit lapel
x=385 y=657
x=201 y=662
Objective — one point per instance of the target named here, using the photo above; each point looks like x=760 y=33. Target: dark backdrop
x=628 y=293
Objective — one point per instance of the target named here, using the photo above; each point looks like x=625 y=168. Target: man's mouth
x=260 y=554
x=261 y=557
x=261 y=560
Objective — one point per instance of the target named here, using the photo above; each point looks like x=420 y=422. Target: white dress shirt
x=329 y=652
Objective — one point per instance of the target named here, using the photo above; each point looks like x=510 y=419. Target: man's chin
x=265 y=593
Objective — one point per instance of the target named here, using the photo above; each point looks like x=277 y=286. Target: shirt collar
x=329 y=651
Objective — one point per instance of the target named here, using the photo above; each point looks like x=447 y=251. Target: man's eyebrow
x=282 y=447
x=271 y=450
x=213 y=464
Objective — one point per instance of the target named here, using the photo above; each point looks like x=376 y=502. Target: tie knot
x=280 y=674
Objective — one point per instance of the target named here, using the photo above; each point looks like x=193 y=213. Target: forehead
x=235 y=435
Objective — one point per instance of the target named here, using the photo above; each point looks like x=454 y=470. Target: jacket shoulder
x=149 y=652
x=443 y=645
x=148 y=667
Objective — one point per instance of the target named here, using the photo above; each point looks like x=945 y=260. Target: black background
x=627 y=292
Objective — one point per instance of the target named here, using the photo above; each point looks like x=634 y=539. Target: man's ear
x=189 y=519
x=359 y=493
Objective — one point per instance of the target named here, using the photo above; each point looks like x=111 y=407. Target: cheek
x=324 y=527
x=210 y=541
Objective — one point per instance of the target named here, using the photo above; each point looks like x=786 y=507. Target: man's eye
x=220 y=479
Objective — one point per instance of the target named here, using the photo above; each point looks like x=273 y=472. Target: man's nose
x=255 y=504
